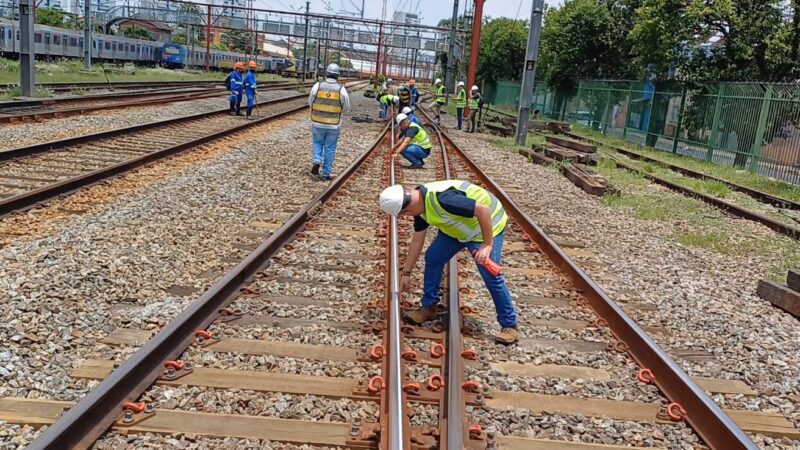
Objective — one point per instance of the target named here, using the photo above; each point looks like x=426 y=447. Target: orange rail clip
x=371 y=385
x=411 y=388
x=676 y=416
x=376 y=352
x=133 y=406
x=470 y=354
x=435 y=382
x=437 y=350
x=471 y=386
x=177 y=365
x=409 y=355
x=646 y=376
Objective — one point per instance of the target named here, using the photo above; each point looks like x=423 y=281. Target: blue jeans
x=415 y=155
x=445 y=247
x=384 y=109
x=324 y=139
x=460 y=115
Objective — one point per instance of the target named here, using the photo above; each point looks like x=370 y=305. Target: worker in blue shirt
x=250 y=87
x=415 y=145
x=414 y=92
x=411 y=116
x=237 y=87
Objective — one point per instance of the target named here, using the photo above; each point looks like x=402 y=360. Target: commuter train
x=57 y=43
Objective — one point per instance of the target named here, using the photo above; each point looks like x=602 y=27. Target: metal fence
x=751 y=126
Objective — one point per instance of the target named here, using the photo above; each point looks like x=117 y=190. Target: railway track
x=61 y=87
x=37 y=110
x=328 y=275
x=37 y=173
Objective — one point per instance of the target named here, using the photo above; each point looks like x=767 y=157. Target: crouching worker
x=415 y=144
x=466 y=215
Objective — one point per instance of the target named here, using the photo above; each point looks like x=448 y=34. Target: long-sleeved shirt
x=414 y=95
x=344 y=98
x=236 y=82
x=250 y=81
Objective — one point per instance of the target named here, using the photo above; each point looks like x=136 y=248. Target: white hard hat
x=395 y=99
x=438 y=80
x=393 y=199
x=474 y=88
x=406 y=110
x=400 y=117
x=460 y=83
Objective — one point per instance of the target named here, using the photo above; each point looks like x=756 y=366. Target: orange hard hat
x=251 y=64
x=238 y=65
x=411 y=82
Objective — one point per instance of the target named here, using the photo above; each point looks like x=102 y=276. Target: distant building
x=160 y=30
x=406 y=18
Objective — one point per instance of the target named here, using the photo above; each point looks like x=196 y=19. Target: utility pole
x=208 y=37
x=450 y=70
x=305 y=45
x=87 y=35
x=528 y=77
x=474 y=46
x=27 y=57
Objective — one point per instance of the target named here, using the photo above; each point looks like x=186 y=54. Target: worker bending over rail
x=415 y=144
x=236 y=88
x=250 y=87
x=387 y=101
x=328 y=100
x=467 y=216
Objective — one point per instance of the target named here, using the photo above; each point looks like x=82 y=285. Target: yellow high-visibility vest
x=327 y=105
x=465 y=229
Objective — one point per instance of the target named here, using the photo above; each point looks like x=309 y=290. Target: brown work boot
x=507 y=336
x=418 y=316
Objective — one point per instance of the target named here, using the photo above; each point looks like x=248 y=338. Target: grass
x=730 y=174
x=509 y=143
x=696 y=224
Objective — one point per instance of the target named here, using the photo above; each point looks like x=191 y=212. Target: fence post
x=760 y=131
x=680 y=122
x=604 y=116
x=715 y=124
x=627 y=111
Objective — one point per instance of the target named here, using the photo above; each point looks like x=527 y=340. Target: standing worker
x=415 y=145
x=475 y=100
x=250 y=87
x=467 y=216
x=414 y=92
x=237 y=85
x=405 y=96
x=461 y=103
x=328 y=100
x=439 y=99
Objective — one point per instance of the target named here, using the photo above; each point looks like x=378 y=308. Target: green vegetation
x=138 y=33
x=696 y=224
x=730 y=174
x=502 y=51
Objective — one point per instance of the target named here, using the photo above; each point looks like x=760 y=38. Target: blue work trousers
x=384 y=110
x=460 y=115
x=415 y=155
x=324 y=145
x=236 y=101
x=251 y=97
x=445 y=247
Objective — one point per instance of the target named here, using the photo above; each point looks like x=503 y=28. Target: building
x=159 y=30
x=406 y=18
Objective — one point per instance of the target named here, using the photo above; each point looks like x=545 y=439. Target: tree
x=582 y=39
x=139 y=33
x=51 y=17
x=502 y=51
x=238 y=40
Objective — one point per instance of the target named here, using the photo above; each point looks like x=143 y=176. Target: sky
x=431 y=10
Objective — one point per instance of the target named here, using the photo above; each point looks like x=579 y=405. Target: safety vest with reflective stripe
x=387 y=99
x=405 y=95
x=441 y=98
x=327 y=105
x=461 y=98
x=475 y=101
x=421 y=138
x=465 y=229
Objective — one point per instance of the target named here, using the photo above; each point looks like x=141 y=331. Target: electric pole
x=305 y=45
x=450 y=69
x=87 y=35
x=27 y=56
x=528 y=77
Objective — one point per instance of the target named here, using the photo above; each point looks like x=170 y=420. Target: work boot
x=420 y=315
x=249 y=111
x=508 y=335
x=315 y=169
x=327 y=178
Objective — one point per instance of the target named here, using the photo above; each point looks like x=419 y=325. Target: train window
x=37 y=38
x=94 y=44
x=108 y=45
x=126 y=47
x=73 y=42
x=56 y=39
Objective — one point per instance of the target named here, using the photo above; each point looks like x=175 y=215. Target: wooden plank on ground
x=572 y=143
x=96 y=369
x=557 y=323
x=288 y=322
x=128 y=336
x=793 y=280
x=518 y=443
x=551 y=371
x=566 y=345
x=771 y=424
x=719 y=386
x=780 y=295
x=45 y=412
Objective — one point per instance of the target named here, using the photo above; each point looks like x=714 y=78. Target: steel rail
x=86 y=421
x=716 y=429
x=756 y=194
x=398 y=437
x=723 y=205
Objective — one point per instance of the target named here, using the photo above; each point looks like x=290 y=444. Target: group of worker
x=474 y=102
x=240 y=83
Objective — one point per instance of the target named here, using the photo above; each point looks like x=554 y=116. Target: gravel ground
x=107 y=257
x=750 y=340
x=21 y=134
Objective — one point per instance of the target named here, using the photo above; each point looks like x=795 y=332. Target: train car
x=295 y=68
x=174 y=56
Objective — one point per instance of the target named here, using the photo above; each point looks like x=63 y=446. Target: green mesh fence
x=752 y=126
